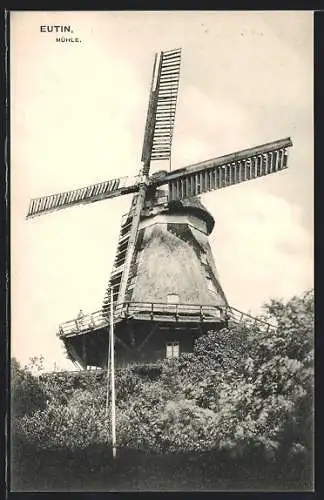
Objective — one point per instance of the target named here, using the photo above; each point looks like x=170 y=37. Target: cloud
x=260 y=246
x=78 y=116
x=204 y=123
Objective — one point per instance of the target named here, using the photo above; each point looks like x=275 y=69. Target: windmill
x=164 y=282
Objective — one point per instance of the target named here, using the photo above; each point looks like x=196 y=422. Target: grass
x=133 y=470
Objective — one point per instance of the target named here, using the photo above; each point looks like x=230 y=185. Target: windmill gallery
x=164 y=290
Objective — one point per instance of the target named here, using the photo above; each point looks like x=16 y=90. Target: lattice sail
x=88 y=194
x=162 y=106
x=227 y=170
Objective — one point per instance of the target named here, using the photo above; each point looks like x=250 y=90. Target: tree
x=242 y=390
x=260 y=383
x=27 y=393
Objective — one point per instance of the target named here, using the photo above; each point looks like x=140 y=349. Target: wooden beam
x=123 y=343
x=72 y=351
x=131 y=332
x=139 y=348
x=84 y=351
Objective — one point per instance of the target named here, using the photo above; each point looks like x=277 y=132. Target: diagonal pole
x=131 y=242
x=108 y=379
x=112 y=367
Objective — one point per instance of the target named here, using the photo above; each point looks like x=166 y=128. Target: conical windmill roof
x=193 y=205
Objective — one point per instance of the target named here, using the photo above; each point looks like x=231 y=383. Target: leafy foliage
x=27 y=394
x=242 y=392
x=65 y=426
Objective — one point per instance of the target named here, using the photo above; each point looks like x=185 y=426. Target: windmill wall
x=173 y=270
x=173 y=256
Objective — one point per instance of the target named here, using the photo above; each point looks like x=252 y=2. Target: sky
x=78 y=113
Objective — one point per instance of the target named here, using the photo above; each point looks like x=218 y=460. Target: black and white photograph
x=162 y=282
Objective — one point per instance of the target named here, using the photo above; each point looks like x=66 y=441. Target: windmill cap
x=196 y=208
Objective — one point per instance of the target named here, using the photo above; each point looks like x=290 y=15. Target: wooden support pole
x=108 y=377
x=84 y=351
x=112 y=366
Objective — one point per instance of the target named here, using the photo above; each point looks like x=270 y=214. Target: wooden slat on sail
x=227 y=170
x=162 y=107
x=89 y=194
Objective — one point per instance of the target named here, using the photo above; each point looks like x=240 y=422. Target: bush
x=61 y=426
x=27 y=393
x=242 y=391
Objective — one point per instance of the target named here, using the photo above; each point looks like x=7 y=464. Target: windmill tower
x=166 y=289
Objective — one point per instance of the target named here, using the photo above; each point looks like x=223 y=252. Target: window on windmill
x=139 y=257
x=172 y=350
x=173 y=298
x=203 y=226
x=203 y=258
x=162 y=198
x=210 y=285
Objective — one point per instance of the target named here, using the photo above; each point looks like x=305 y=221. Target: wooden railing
x=177 y=312
x=163 y=312
x=146 y=311
x=236 y=316
x=87 y=322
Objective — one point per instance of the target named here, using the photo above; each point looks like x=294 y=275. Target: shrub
x=242 y=391
x=27 y=393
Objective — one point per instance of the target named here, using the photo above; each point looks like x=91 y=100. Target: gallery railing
x=153 y=311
